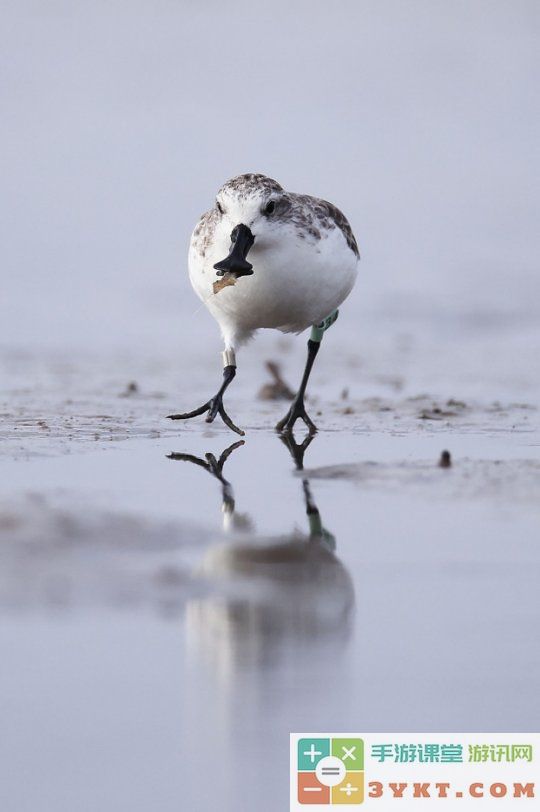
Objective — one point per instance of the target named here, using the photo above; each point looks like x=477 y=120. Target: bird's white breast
x=296 y=282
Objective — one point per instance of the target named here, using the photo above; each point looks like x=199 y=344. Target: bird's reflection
x=271 y=597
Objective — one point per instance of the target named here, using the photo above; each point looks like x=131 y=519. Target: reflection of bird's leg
x=311 y=507
x=316 y=530
x=215 y=468
x=297 y=450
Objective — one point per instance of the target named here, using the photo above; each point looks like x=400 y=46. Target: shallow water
x=166 y=632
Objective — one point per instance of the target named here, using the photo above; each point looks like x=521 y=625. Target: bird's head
x=248 y=208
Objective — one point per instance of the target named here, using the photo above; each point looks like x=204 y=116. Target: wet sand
x=153 y=612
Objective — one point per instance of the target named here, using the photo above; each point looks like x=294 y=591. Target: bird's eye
x=270 y=207
x=219 y=207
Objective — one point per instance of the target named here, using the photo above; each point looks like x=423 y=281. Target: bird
x=303 y=263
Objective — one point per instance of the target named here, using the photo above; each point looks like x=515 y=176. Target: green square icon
x=310 y=752
x=350 y=751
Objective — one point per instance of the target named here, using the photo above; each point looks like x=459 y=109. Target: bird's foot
x=214 y=406
x=297 y=410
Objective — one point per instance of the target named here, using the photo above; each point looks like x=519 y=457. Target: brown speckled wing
x=342 y=223
x=203 y=233
x=313 y=216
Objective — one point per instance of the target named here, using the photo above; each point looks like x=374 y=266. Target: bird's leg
x=297 y=407
x=215 y=406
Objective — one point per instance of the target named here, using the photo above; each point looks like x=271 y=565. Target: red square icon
x=310 y=791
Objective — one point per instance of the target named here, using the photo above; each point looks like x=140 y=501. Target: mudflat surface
x=150 y=613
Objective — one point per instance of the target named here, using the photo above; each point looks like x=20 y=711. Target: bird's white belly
x=295 y=283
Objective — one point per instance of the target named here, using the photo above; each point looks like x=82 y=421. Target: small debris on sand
x=445 y=460
x=436 y=413
x=226 y=281
x=278 y=390
x=131 y=389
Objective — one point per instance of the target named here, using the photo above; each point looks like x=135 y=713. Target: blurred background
x=121 y=119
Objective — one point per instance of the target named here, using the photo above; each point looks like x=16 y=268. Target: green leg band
x=318 y=330
x=320 y=533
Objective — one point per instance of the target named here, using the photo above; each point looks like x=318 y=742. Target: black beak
x=242 y=239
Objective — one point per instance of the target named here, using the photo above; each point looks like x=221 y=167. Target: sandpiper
x=303 y=259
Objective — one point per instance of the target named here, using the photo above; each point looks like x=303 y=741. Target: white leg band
x=229 y=358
